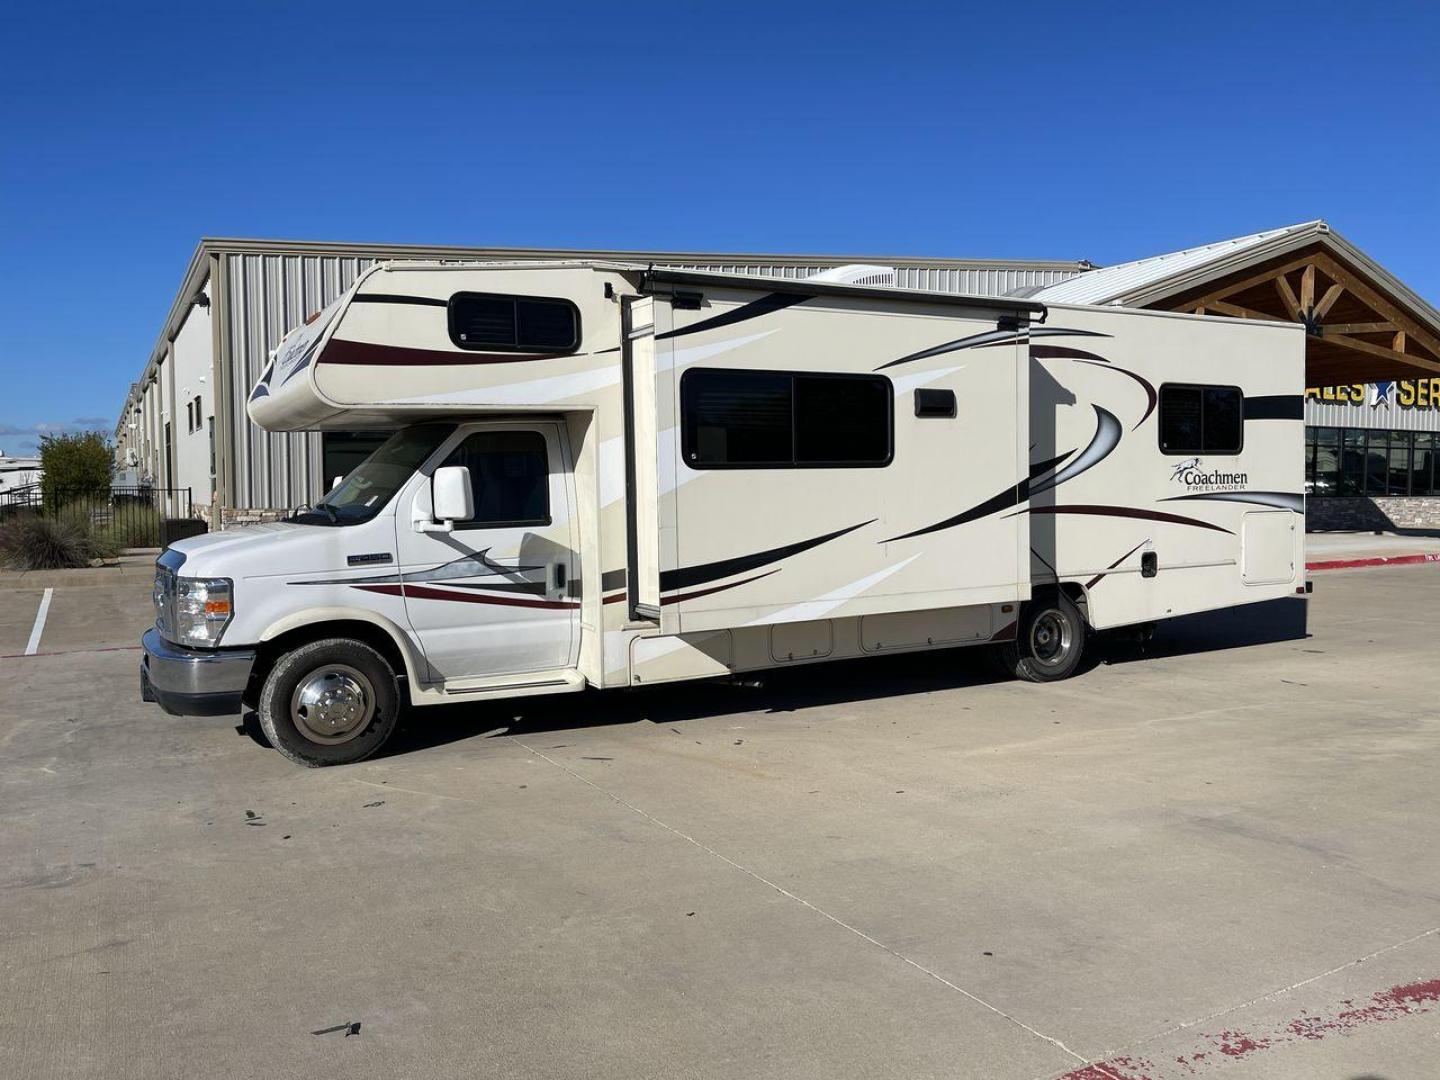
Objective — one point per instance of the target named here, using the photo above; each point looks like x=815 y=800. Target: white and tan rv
x=606 y=476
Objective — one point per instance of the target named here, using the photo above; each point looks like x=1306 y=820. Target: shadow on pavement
x=819 y=685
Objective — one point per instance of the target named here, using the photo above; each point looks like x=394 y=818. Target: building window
x=781 y=419
x=1399 y=463
x=1352 y=464
x=514 y=323
x=199 y=413
x=1201 y=419
x=1422 y=464
x=509 y=478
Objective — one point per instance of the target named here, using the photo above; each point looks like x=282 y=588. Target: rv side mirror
x=454 y=499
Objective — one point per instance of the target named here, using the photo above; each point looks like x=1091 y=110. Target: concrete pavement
x=1215 y=858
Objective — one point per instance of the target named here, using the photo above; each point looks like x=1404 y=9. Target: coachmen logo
x=1195 y=477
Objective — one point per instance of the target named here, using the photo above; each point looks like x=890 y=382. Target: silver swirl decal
x=1107 y=437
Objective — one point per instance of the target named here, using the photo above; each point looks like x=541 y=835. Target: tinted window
x=1201 y=419
x=1223 y=420
x=758 y=419
x=841 y=421
x=509 y=475
x=513 y=323
x=737 y=418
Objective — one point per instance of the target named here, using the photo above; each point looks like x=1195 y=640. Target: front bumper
x=193 y=682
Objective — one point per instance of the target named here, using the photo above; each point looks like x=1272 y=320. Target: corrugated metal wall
x=1382 y=410
x=269 y=294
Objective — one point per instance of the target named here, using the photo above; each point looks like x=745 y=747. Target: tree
x=75 y=465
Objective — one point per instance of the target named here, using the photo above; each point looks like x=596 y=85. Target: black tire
x=331 y=702
x=1049 y=640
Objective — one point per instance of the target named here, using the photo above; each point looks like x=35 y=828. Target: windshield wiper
x=329 y=512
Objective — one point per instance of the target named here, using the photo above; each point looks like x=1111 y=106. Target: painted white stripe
x=39 y=627
x=679 y=358
x=535 y=392
x=822 y=606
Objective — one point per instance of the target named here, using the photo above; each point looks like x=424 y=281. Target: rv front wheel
x=330 y=702
x=1049 y=640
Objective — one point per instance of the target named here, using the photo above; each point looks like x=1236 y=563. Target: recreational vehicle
x=601 y=475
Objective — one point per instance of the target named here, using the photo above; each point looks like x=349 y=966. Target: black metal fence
x=131 y=515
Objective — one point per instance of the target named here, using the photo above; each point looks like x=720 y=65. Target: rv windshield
x=374 y=482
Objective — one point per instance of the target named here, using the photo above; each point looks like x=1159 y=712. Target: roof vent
x=856 y=274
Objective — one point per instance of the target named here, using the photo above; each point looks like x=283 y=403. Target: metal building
x=1372 y=356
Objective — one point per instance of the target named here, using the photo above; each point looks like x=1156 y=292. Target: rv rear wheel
x=331 y=702
x=1049 y=640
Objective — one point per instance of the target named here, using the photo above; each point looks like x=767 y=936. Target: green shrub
x=75 y=464
x=30 y=542
x=67 y=540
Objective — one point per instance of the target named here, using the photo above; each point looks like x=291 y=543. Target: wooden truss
x=1300 y=304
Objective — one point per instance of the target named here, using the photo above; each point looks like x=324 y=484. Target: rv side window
x=1201 y=419
x=514 y=323
x=786 y=420
x=509 y=476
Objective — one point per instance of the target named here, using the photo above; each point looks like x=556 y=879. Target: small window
x=777 y=419
x=514 y=323
x=509 y=476
x=1201 y=419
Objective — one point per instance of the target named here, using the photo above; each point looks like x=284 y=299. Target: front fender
x=320 y=615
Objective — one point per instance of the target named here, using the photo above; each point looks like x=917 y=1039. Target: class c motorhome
x=602 y=475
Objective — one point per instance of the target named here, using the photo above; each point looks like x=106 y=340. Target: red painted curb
x=1376 y=560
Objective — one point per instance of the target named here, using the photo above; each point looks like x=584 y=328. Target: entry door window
x=509 y=476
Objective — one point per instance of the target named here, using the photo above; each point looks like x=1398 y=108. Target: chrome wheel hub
x=1051 y=636
x=333 y=704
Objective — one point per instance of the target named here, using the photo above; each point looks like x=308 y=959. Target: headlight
x=203 y=608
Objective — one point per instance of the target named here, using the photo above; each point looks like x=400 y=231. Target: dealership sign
x=1406 y=393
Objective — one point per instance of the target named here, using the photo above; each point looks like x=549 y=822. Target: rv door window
x=1201 y=419
x=785 y=420
x=510 y=477
x=514 y=323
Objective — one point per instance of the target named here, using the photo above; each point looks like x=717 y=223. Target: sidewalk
x=1348 y=550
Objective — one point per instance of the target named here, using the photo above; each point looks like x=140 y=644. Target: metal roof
x=1146 y=282
x=1117 y=284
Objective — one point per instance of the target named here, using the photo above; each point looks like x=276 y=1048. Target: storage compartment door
x=642 y=492
x=1267 y=547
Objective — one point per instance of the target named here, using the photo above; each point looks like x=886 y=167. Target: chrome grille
x=164 y=597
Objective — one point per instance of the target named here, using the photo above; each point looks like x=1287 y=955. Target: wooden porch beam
x=1287 y=297
x=1328 y=301
x=1307 y=287
x=1381 y=351
x=1398 y=342
x=1226 y=308
x=1380 y=305
x=1358 y=328
x=1248 y=283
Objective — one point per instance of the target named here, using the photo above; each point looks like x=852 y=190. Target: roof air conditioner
x=856 y=274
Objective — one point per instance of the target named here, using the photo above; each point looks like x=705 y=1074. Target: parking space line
x=806 y=903
x=39 y=627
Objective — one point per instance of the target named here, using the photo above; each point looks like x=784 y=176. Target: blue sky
x=1105 y=132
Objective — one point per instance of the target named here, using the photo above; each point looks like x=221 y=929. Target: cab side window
x=510 y=478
